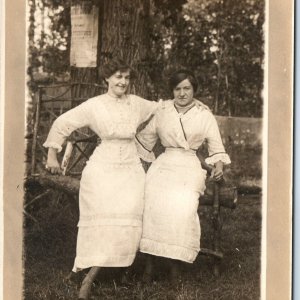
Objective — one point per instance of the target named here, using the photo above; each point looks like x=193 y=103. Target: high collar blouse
x=186 y=130
x=110 y=118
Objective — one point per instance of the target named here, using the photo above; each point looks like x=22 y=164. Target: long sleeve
x=216 y=149
x=147 y=108
x=146 y=140
x=65 y=124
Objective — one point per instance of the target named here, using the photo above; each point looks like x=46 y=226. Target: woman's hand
x=217 y=172
x=53 y=165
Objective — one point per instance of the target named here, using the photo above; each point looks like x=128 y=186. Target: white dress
x=112 y=183
x=175 y=180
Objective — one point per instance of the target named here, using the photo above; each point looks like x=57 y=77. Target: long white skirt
x=171 y=226
x=111 y=206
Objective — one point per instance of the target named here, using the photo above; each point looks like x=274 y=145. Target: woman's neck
x=183 y=109
x=113 y=95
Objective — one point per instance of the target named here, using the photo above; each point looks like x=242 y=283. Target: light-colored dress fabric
x=175 y=180
x=112 y=184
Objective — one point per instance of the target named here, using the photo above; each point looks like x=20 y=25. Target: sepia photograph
x=146 y=157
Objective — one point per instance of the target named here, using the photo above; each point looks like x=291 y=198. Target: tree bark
x=123 y=32
x=70 y=185
x=67 y=184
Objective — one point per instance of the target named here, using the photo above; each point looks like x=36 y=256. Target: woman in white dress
x=112 y=183
x=175 y=180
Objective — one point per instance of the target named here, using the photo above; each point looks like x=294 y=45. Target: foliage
x=49 y=39
x=221 y=41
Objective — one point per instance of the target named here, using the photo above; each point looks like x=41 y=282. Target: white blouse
x=112 y=119
x=183 y=130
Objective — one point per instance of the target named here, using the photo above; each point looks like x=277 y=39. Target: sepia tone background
x=279 y=200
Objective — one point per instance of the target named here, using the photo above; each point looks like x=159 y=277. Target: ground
x=49 y=249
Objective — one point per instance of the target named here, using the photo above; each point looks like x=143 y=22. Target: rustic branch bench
x=77 y=151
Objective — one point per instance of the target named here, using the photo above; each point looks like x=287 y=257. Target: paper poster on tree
x=84 y=35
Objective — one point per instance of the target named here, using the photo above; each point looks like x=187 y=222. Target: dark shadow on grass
x=49 y=251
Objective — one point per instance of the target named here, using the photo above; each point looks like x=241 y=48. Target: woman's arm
x=217 y=154
x=147 y=108
x=53 y=165
x=217 y=171
x=146 y=140
x=62 y=127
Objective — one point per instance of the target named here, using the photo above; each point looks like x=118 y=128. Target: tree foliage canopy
x=222 y=41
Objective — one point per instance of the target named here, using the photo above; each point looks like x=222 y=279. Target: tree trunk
x=122 y=32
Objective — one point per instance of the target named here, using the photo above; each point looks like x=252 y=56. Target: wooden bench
x=77 y=150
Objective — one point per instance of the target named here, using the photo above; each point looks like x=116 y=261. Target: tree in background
x=123 y=31
x=232 y=32
x=221 y=41
x=49 y=39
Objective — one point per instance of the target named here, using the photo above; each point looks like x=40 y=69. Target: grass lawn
x=49 y=249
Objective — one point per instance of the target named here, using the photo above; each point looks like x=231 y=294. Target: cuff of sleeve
x=224 y=157
x=143 y=153
x=53 y=145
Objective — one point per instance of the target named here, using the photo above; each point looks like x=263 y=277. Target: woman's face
x=183 y=93
x=118 y=83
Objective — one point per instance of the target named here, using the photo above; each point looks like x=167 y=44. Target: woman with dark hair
x=175 y=180
x=112 y=183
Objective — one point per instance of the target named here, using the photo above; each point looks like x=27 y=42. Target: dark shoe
x=147 y=278
x=175 y=274
x=149 y=268
x=73 y=278
x=125 y=278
